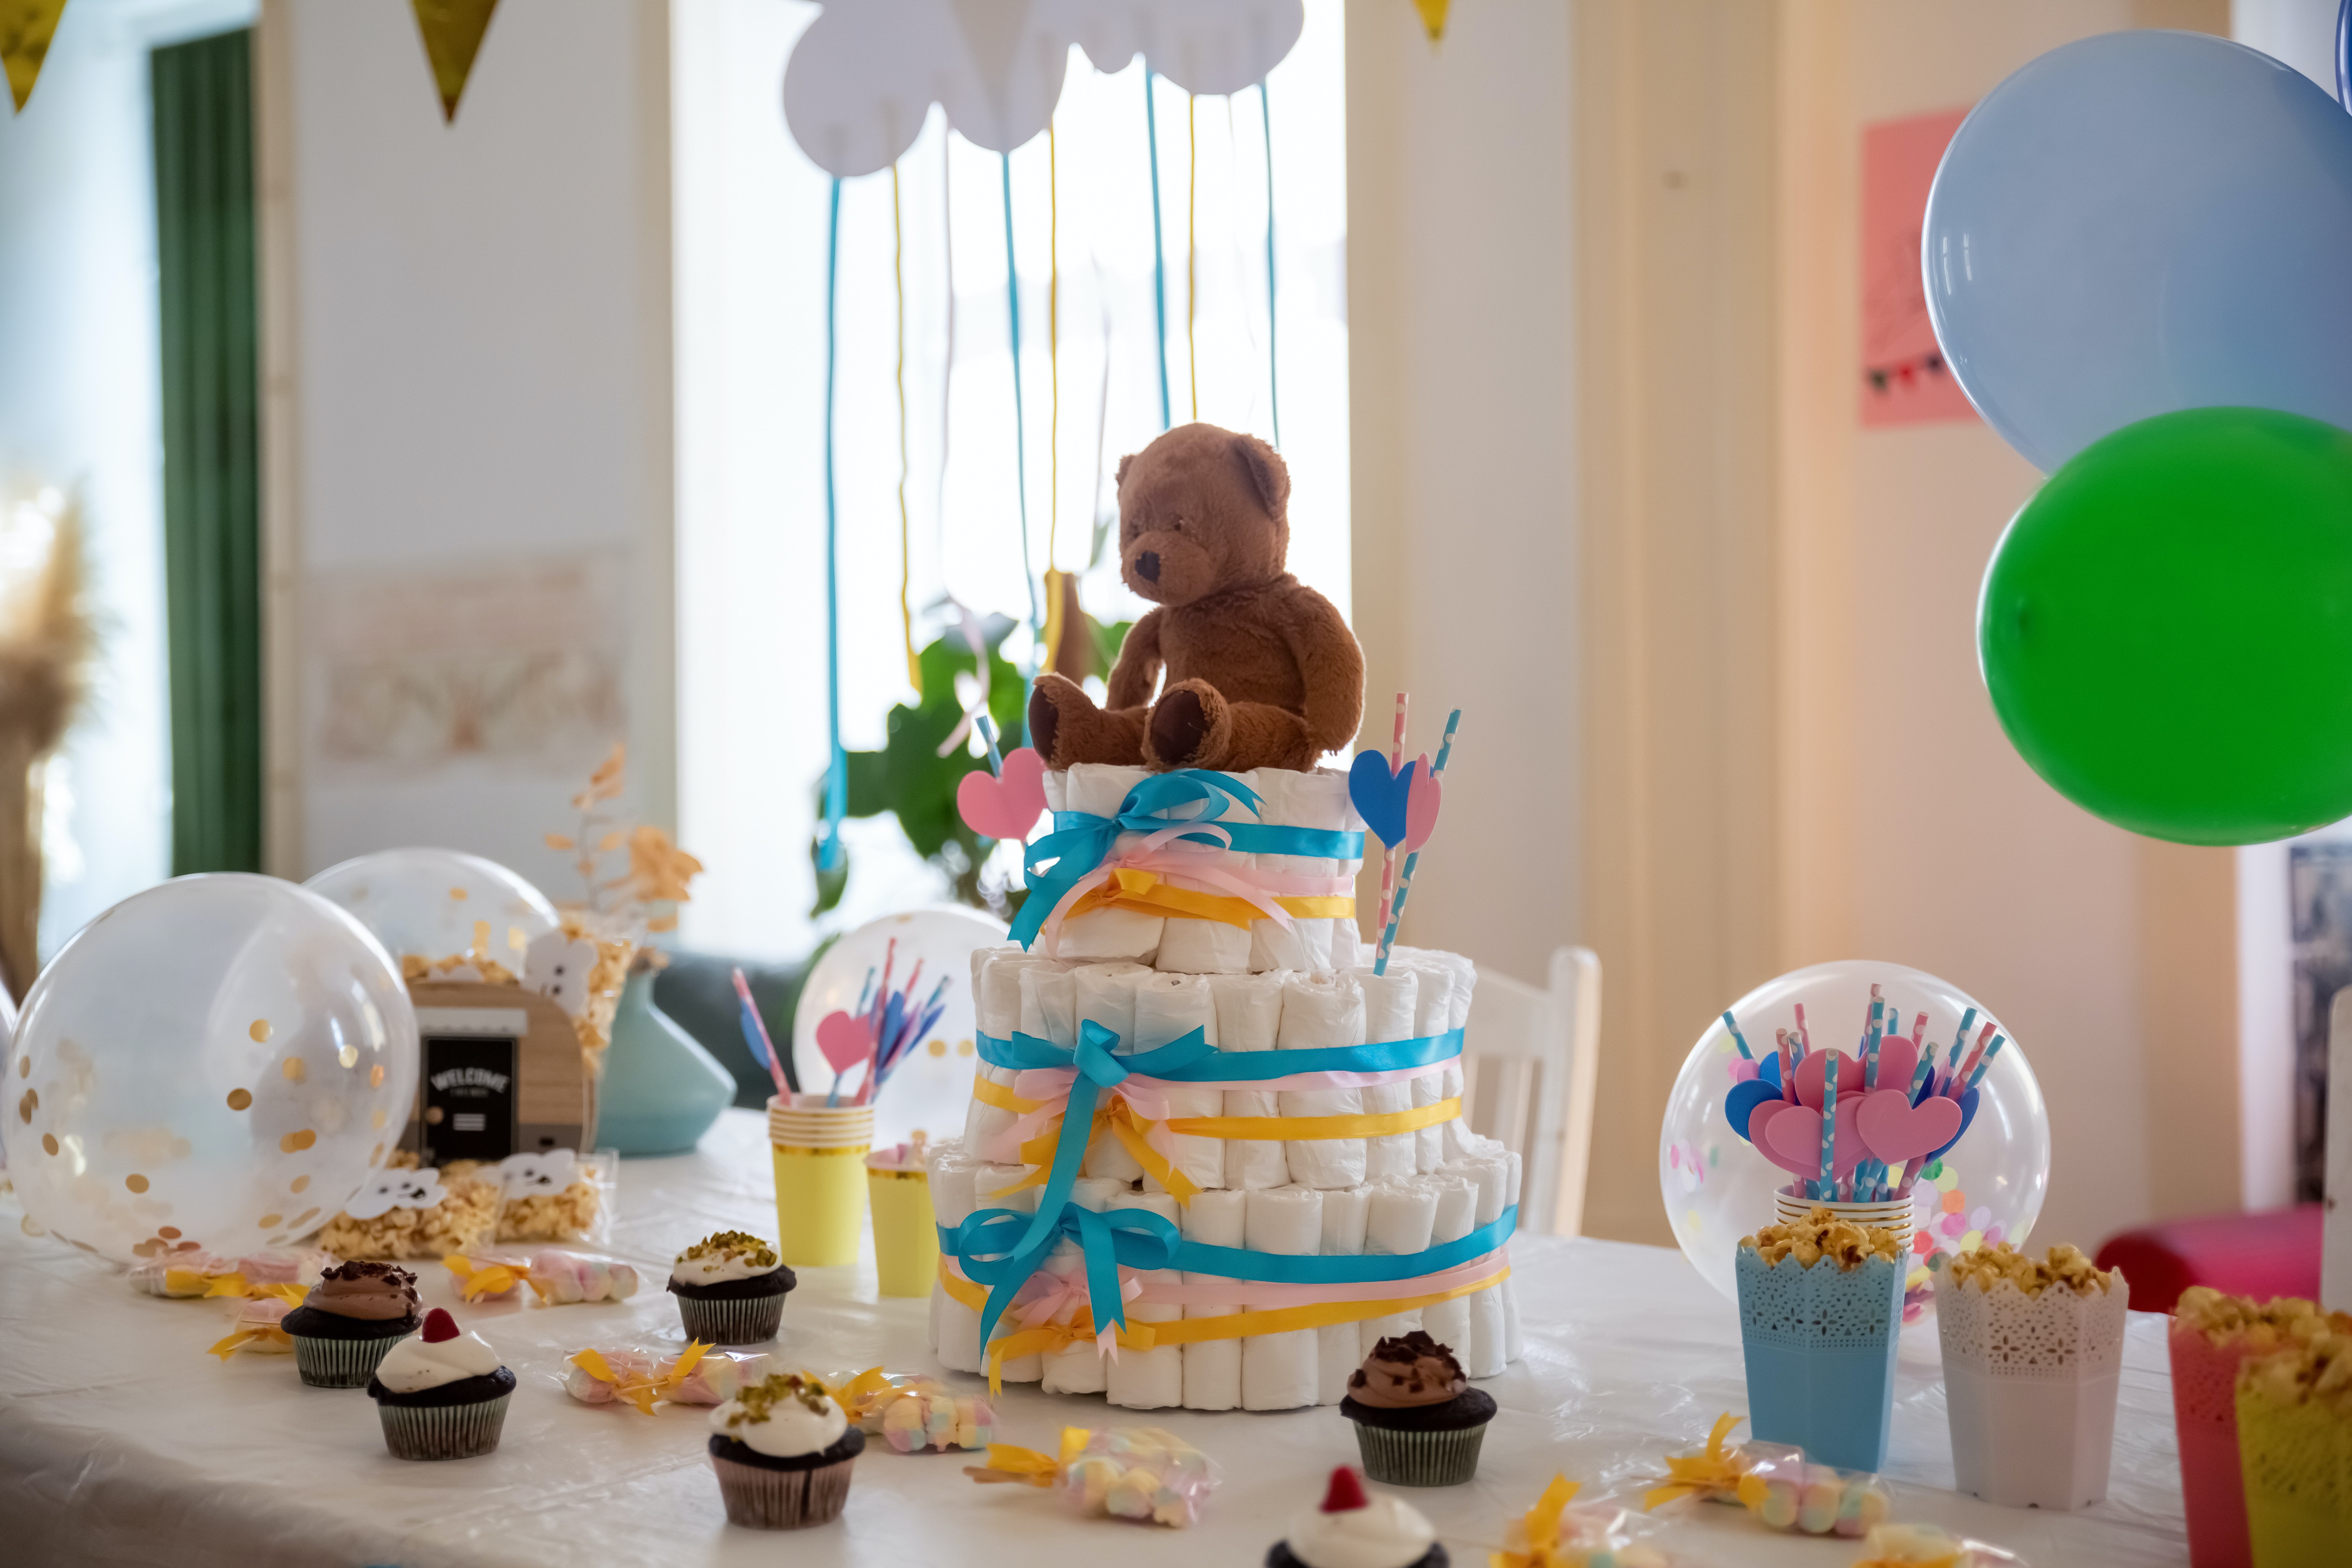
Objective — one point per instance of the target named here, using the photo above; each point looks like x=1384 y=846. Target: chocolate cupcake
x=354 y=1314
x=730 y=1289
x=784 y=1449
x=442 y=1394
x=1418 y=1421
x=1354 y=1531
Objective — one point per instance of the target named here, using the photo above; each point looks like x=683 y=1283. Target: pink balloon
x=1005 y=807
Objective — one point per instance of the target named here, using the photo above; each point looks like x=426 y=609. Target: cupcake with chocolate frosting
x=784 y=1449
x=1356 y=1530
x=354 y=1314
x=441 y=1393
x=730 y=1288
x=1418 y=1421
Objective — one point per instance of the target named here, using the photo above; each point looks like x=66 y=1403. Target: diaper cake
x=1214 y=1152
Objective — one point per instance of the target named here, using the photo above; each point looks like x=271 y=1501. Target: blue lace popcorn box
x=1821 y=1345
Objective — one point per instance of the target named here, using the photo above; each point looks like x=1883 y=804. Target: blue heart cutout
x=1379 y=796
x=1968 y=1114
x=1741 y=1102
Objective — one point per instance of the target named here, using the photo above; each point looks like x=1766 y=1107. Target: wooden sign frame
x=554 y=1094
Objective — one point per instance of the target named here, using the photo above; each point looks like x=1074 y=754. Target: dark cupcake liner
x=1281 y=1556
x=737 y=1322
x=339 y=1363
x=1418 y=1459
x=443 y=1431
x=758 y=1498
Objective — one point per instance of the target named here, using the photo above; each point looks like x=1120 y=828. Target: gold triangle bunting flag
x=453 y=32
x=26 y=28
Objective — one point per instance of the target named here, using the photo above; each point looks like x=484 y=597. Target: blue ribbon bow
x=1210 y=1065
x=1081 y=841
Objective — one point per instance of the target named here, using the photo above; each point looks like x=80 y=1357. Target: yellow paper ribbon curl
x=638 y=1388
x=270 y=1334
x=1534 y=1540
x=1146 y=892
x=1717 y=1472
x=1050 y=1338
x=476 y=1280
x=1011 y=1462
x=862 y=1394
x=1950 y=1560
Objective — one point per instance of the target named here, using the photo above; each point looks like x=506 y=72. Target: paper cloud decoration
x=866 y=73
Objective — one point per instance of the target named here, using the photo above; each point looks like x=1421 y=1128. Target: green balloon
x=2166 y=628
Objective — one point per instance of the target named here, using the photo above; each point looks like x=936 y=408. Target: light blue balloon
x=2138 y=223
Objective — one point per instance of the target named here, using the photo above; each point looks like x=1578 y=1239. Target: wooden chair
x=1529 y=1059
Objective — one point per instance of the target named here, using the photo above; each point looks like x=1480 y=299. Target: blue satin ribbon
x=1081 y=841
x=1206 y=1064
x=1097 y=1069
x=1137 y=1238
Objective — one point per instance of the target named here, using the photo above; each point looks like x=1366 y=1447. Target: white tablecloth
x=121 y=1441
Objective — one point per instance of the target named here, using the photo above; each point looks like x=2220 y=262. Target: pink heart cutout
x=1422 y=801
x=844 y=1040
x=1793 y=1138
x=1005 y=807
x=1895 y=1131
x=1811 y=1070
x=1898 y=1058
x=1760 y=1124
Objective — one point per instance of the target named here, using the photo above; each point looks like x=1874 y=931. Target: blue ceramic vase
x=662 y=1090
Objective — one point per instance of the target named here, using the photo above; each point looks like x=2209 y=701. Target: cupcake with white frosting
x=441 y=1393
x=784 y=1449
x=730 y=1288
x=1357 y=1530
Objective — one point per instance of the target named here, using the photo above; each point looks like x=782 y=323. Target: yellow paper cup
x=819 y=1152
x=906 y=1236
x=2297 y=1464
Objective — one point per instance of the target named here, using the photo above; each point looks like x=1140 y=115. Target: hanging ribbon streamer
x=1191 y=250
x=452 y=32
x=1432 y=17
x=836 y=777
x=1020 y=433
x=906 y=548
x=26 y=28
x=1050 y=657
x=946 y=367
x=1159 y=243
x=1273 y=360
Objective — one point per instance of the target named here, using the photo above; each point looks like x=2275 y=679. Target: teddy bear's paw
x=1191 y=727
x=1066 y=728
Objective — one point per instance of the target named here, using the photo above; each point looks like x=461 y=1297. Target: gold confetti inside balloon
x=196 y=1054
x=441 y=906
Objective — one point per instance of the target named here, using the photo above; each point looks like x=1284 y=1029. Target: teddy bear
x=1261 y=671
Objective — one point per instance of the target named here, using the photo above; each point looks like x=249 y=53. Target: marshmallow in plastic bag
x=634 y=1374
x=1784 y=1492
x=195 y=1273
x=1553 y=1534
x=1147 y=1475
x=1926 y=1546
x=911 y=1412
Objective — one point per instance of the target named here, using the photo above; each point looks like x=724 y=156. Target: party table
x=121 y=1440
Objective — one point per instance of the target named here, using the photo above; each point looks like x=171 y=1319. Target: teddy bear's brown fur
x=1261 y=672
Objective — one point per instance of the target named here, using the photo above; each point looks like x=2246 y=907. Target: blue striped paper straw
x=1991 y=1051
x=1960 y=1040
x=1737 y=1037
x=1829 y=1128
x=1877 y=1029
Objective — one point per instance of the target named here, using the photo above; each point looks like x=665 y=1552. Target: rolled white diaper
x=1104 y=936
x=1398 y=1219
x=1249 y=1014
x=1336 y=1356
x=1389 y=1015
x=1212 y=1368
x=1106 y=995
x=1278 y=1371
x=1448 y=1323
x=1167 y=1008
x=1078 y=1368
x=1152 y=1379
x=1318 y=1011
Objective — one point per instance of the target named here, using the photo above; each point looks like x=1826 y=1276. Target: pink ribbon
x=1051 y=1086
x=1190 y=865
x=1057 y=1297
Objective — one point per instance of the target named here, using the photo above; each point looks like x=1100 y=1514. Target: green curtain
x=206 y=241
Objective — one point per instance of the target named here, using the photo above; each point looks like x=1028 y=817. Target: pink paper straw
x=1388 y=852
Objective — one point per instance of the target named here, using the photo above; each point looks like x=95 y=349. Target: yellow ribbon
x=1535 y=1539
x=270 y=1332
x=292 y=1295
x=1052 y=1338
x=1717 y=1472
x=1950 y=1560
x=1309 y=1129
x=192 y=1282
x=1127 y=888
x=1011 y=1462
x=1123 y=1121
x=476 y=1280
x=988 y=1091
x=858 y=1397
x=638 y=1389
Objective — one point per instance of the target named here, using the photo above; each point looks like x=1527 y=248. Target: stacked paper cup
x=1894 y=1213
x=819 y=1152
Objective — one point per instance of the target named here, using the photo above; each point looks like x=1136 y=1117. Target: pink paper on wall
x=1903 y=378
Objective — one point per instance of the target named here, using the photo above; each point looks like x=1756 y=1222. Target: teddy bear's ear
x=1268 y=473
x=1125 y=463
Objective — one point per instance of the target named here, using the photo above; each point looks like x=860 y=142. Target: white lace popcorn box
x=1819 y=1346
x=2029 y=1384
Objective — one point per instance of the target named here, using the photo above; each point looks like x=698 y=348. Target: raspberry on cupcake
x=1353 y=1530
x=441 y=1393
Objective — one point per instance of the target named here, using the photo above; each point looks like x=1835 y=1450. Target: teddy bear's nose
x=1147 y=566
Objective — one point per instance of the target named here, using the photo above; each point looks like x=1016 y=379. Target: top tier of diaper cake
x=1197 y=872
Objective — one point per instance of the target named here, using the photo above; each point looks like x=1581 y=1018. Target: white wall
x=81 y=409
x=480 y=391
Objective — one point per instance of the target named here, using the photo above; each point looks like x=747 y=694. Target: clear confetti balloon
x=931 y=1087
x=1986 y=1188
x=435 y=904
x=217 y=1062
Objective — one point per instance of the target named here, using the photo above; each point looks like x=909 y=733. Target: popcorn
x=570 y=1213
x=1986 y=1267
x=2287 y=1320
x=1822 y=1234
x=461 y=1222
x=2319 y=1372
